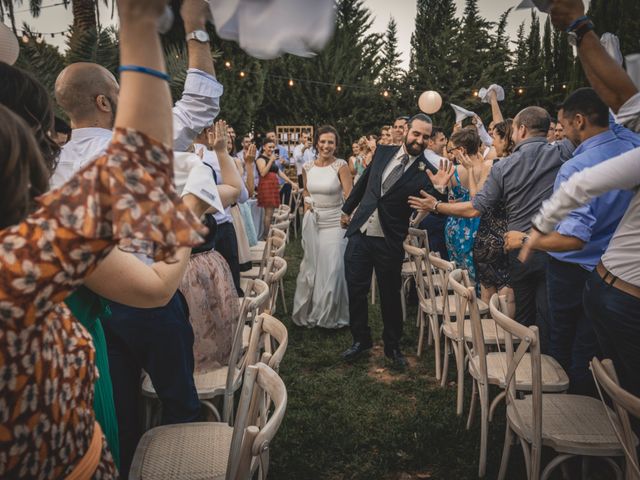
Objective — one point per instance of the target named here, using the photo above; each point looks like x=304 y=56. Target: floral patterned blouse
x=126 y=199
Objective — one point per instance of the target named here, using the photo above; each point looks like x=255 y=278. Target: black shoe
x=355 y=350
x=399 y=362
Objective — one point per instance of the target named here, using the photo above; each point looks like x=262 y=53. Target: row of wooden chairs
x=533 y=385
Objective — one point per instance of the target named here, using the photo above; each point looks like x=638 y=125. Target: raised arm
x=608 y=79
x=200 y=102
x=496 y=113
x=230 y=185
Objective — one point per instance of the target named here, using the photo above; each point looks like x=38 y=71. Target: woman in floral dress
x=47 y=362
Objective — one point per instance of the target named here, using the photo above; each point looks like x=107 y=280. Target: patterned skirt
x=269 y=191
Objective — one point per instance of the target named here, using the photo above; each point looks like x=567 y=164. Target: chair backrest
x=236 y=362
x=418 y=238
x=623 y=403
x=529 y=342
x=437 y=268
x=275 y=271
x=256 y=295
x=272 y=336
x=417 y=255
x=274 y=246
x=253 y=431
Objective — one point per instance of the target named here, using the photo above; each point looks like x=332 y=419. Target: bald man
x=88 y=94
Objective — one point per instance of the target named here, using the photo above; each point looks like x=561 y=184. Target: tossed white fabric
x=321 y=289
x=542 y=5
x=268 y=29
x=461 y=113
x=183 y=163
x=492 y=88
x=612 y=45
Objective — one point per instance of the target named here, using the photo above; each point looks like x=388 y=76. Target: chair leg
x=445 y=366
x=421 y=335
x=527 y=457
x=553 y=464
x=616 y=468
x=436 y=344
x=459 y=348
x=403 y=299
x=506 y=452
x=496 y=401
x=373 y=288
x=473 y=403
x=284 y=302
x=484 y=428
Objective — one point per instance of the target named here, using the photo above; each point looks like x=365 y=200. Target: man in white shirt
x=88 y=93
x=435 y=147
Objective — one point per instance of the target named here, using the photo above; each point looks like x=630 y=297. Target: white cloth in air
x=461 y=113
x=268 y=29
x=482 y=93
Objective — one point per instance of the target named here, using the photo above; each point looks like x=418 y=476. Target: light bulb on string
x=339 y=88
x=520 y=91
x=242 y=74
x=290 y=83
x=227 y=64
x=385 y=94
x=40 y=39
x=475 y=93
x=25 y=38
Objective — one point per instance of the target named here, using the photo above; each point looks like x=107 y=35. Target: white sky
x=56 y=19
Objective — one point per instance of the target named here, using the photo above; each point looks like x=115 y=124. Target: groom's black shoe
x=357 y=349
x=399 y=362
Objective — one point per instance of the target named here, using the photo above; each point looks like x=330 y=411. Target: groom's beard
x=414 y=148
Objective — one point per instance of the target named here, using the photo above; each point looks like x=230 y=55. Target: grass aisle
x=359 y=421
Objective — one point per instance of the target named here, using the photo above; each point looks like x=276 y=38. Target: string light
x=242 y=74
x=385 y=94
x=40 y=39
x=227 y=64
x=520 y=91
x=290 y=83
x=25 y=38
x=339 y=88
x=564 y=86
x=475 y=93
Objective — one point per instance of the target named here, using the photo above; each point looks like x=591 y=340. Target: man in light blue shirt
x=581 y=238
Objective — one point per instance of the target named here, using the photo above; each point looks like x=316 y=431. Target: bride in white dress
x=321 y=290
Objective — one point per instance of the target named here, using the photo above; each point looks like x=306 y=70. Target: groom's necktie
x=395 y=174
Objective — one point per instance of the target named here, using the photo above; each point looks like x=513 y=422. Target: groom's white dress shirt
x=372 y=227
x=199 y=105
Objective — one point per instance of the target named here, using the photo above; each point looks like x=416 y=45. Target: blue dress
x=460 y=233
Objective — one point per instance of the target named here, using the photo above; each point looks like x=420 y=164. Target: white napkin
x=612 y=45
x=483 y=134
x=269 y=29
x=201 y=183
x=461 y=113
x=485 y=91
x=542 y=5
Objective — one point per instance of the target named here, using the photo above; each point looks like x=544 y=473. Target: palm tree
x=84 y=12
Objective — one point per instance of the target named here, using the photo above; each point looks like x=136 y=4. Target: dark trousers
x=572 y=338
x=528 y=281
x=616 y=319
x=362 y=256
x=434 y=225
x=226 y=243
x=160 y=340
x=285 y=194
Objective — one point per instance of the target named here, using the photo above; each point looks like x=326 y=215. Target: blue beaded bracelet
x=577 y=22
x=145 y=70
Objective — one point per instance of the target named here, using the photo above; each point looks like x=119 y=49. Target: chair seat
x=256 y=256
x=570 y=424
x=251 y=274
x=554 y=378
x=258 y=247
x=489 y=329
x=208 y=384
x=408 y=269
x=186 y=451
x=427 y=306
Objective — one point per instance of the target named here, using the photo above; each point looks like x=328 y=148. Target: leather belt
x=610 y=279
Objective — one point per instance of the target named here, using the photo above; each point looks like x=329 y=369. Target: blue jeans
x=160 y=340
x=616 y=319
x=573 y=341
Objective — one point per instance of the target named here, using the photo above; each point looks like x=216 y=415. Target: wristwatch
x=435 y=207
x=525 y=239
x=199 y=36
x=575 y=36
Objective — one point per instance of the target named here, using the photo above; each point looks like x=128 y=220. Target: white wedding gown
x=321 y=290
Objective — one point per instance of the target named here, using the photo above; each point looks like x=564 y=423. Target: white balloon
x=9 y=49
x=430 y=102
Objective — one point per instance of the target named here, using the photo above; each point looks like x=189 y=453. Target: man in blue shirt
x=580 y=240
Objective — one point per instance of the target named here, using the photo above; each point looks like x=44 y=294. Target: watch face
x=201 y=36
x=572 y=38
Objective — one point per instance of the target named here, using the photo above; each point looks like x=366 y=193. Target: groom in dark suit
x=377 y=230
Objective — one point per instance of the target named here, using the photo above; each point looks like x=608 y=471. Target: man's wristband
x=576 y=23
x=145 y=70
x=435 y=207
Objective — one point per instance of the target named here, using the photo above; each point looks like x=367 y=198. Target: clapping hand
x=513 y=240
x=219 y=137
x=530 y=245
x=445 y=172
x=250 y=156
x=425 y=204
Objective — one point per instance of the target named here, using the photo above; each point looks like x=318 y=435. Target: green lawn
x=360 y=421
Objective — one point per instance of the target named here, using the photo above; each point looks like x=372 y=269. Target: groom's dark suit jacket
x=393 y=210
